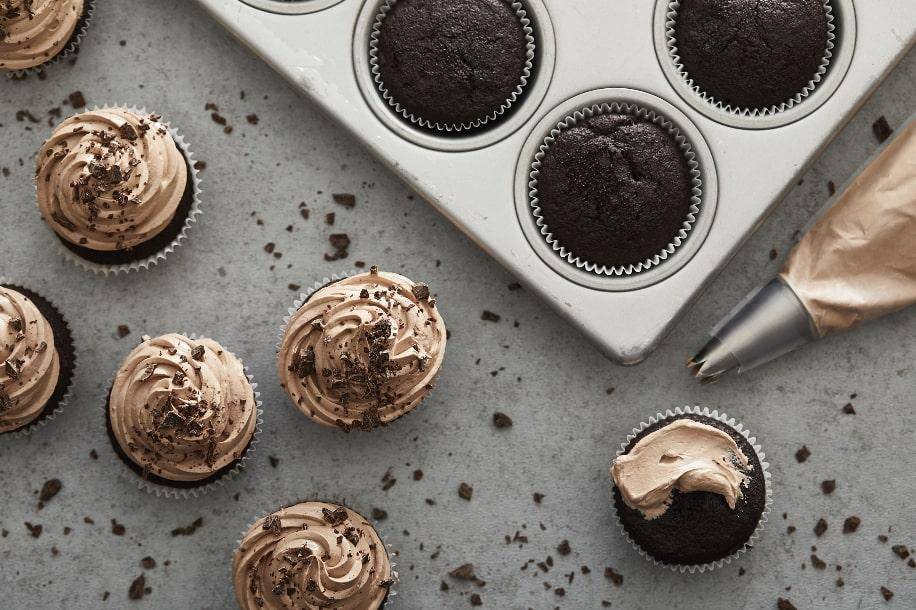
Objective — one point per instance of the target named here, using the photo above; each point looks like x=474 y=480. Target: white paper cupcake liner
x=764 y=465
x=671 y=44
x=693 y=167
x=192 y=217
x=382 y=534
x=530 y=51
x=66 y=52
x=44 y=419
x=164 y=491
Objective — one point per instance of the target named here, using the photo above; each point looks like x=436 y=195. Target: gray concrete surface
x=530 y=365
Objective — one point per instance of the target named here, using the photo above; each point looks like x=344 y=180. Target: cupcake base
x=66 y=353
x=152 y=246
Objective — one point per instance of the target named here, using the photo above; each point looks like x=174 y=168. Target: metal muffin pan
x=598 y=45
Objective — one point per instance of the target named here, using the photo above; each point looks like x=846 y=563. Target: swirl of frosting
x=34 y=31
x=182 y=409
x=109 y=179
x=362 y=351
x=309 y=556
x=30 y=362
x=685 y=455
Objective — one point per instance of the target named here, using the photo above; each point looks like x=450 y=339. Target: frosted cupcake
x=36 y=32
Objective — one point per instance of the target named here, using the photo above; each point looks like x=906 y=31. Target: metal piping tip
x=712 y=362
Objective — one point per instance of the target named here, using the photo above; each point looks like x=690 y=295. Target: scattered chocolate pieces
x=820 y=527
x=148 y=563
x=886 y=593
x=831 y=187
x=417 y=475
x=137 y=588
x=252 y=118
x=329 y=218
x=901 y=551
x=848 y=409
x=198 y=353
x=828 y=486
x=379 y=515
x=881 y=129
x=477 y=601
x=774 y=254
x=347 y=200
x=274 y=461
x=501 y=420
x=817 y=562
x=538 y=497
x=421 y=291
x=269 y=247
x=78 y=101
x=34 y=529
x=784 y=604
x=466 y=572
x=334 y=517
x=465 y=491
x=563 y=548
x=123 y=330
x=615 y=578
x=340 y=242
x=802 y=454
x=489 y=316
x=50 y=489
x=851 y=524
x=117 y=529
x=200 y=165
x=188 y=530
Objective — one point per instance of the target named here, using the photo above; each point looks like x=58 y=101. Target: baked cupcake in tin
x=690 y=489
x=116 y=188
x=181 y=412
x=37 y=359
x=749 y=55
x=312 y=555
x=34 y=33
x=614 y=189
x=451 y=65
x=362 y=351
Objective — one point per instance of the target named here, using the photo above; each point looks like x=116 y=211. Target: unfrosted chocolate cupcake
x=312 y=555
x=181 y=412
x=35 y=32
x=613 y=190
x=114 y=186
x=37 y=358
x=452 y=64
x=362 y=351
x=690 y=490
x=752 y=54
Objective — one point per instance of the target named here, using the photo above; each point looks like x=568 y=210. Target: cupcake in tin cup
x=35 y=33
x=362 y=351
x=313 y=555
x=181 y=414
x=118 y=188
x=451 y=65
x=37 y=359
x=691 y=489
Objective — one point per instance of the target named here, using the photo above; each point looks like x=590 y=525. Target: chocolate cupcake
x=312 y=555
x=614 y=189
x=747 y=55
x=181 y=413
x=362 y=351
x=34 y=33
x=691 y=489
x=451 y=65
x=118 y=188
x=38 y=359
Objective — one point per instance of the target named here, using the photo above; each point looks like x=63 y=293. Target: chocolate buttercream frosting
x=34 y=31
x=309 y=556
x=362 y=351
x=182 y=409
x=29 y=361
x=109 y=179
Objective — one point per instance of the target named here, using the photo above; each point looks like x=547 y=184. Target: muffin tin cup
x=450 y=128
x=183 y=493
x=382 y=534
x=764 y=465
x=67 y=52
x=292 y=7
x=836 y=58
x=192 y=217
x=45 y=418
x=638 y=111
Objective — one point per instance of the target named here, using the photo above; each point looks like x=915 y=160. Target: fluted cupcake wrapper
x=66 y=52
x=382 y=534
x=164 y=491
x=192 y=217
x=671 y=44
x=527 y=73
x=45 y=418
x=764 y=465
x=693 y=167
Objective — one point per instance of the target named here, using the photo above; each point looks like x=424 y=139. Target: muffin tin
x=589 y=51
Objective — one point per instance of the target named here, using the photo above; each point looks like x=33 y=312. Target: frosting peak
x=685 y=455
x=34 y=31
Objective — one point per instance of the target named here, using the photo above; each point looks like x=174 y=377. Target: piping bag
x=856 y=263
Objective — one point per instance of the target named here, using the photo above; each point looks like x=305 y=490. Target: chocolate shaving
x=6 y=402
x=334 y=517
x=802 y=454
x=501 y=420
x=148 y=371
x=198 y=353
x=881 y=129
x=615 y=578
x=347 y=200
x=189 y=530
x=50 y=489
x=851 y=524
x=820 y=527
x=12 y=369
x=272 y=525
x=465 y=491
x=128 y=132
x=137 y=588
x=77 y=100
x=421 y=291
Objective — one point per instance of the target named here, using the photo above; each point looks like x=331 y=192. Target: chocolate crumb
x=269 y=247
x=137 y=588
x=200 y=165
x=148 y=563
x=831 y=187
x=77 y=100
x=851 y=524
x=773 y=254
x=417 y=474
x=615 y=578
x=48 y=491
x=840 y=582
x=476 y=599
x=887 y=594
x=188 y=530
x=820 y=528
x=784 y=604
x=901 y=551
x=848 y=409
x=489 y=316
x=329 y=218
x=334 y=517
x=34 y=529
x=198 y=353
x=466 y=572
x=881 y=129
x=347 y=200
x=117 y=529
x=379 y=515
x=817 y=562
x=294 y=287
x=274 y=461
x=123 y=330
x=420 y=291
x=501 y=420
x=828 y=486
x=465 y=491
x=93 y=454
x=563 y=548
x=882 y=538
x=802 y=454
x=252 y=118
x=443 y=586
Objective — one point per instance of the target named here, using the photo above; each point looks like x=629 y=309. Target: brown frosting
x=309 y=556
x=181 y=408
x=858 y=262
x=32 y=32
x=362 y=351
x=29 y=363
x=110 y=179
x=684 y=455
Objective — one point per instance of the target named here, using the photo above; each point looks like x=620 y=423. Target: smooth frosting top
x=110 y=179
x=182 y=409
x=34 y=31
x=685 y=455
x=29 y=363
x=309 y=556
x=362 y=351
